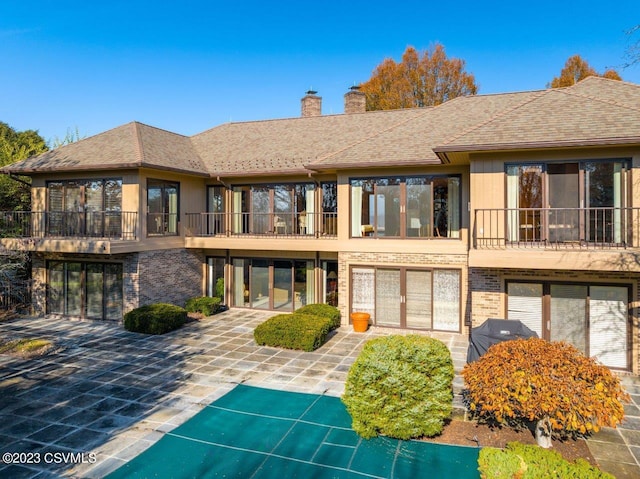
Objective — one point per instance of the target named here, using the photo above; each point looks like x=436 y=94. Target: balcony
x=603 y=228
x=306 y=225
x=110 y=225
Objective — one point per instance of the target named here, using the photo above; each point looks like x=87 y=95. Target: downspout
x=219 y=180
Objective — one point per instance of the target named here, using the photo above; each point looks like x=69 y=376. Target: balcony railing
x=557 y=228
x=162 y=224
x=315 y=225
x=113 y=225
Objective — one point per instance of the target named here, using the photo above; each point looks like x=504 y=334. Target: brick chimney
x=311 y=104
x=355 y=101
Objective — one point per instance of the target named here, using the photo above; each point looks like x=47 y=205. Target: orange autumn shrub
x=528 y=381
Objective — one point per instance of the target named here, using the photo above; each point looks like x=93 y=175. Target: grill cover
x=494 y=331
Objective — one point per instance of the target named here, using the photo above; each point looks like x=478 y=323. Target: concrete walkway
x=110 y=394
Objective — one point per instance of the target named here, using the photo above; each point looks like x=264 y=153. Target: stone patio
x=111 y=394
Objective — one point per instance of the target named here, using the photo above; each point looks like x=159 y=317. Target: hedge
x=156 y=318
x=293 y=331
x=323 y=310
x=533 y=462
x=206 y=305
x=400 y=386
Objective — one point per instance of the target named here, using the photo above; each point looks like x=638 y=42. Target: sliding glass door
x=85 y=290
x=406 y=207
x=162 y=207
x=567 y=202
x=593 y=318
x=277 y=285
x=407 y=298
x=564 y=201
x=274 y=209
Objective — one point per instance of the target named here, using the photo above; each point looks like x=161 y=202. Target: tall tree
x=633 y=50
x=16 y=146
x=418 y=80
x=576 y=69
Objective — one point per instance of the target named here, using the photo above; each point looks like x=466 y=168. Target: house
x=518 y=205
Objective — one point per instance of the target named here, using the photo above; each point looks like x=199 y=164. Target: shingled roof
x=287 y=146
x=133 y=145
x=596 y=111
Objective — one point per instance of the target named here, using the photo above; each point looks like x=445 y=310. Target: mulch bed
x=468 y=433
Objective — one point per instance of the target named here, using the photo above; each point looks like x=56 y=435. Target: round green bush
x=527 y=461
x=400 y=386
x=323 y=310
x=156 y=318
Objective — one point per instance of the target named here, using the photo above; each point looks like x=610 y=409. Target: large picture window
x=406 y=297
x=405 y=207
x=84 y=207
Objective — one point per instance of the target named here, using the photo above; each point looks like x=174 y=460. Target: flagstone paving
x=110 y=394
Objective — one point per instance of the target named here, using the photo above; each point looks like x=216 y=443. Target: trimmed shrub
x=522 y=382
x=157 y=318
x=293 y=331
x=533 y=462
x=400 y=386
x=206 y=305
x=324 y=311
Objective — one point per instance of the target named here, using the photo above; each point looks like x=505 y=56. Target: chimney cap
x=311 y=92
x=354 y=88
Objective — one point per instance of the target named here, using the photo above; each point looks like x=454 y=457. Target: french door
x=593 y=318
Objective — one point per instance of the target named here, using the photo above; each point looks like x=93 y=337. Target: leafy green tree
x=16 y=146
x=418 y=80
x=576 y=69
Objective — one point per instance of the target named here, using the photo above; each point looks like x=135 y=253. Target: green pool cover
x=263 y=433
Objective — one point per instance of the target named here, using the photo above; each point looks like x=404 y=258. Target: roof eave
x=443 y=150
x=372 y=164
x=253 y=173
x=121 y=166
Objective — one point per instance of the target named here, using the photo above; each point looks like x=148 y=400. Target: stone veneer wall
x=162 y=276
x=346 y=259
x=39 y=287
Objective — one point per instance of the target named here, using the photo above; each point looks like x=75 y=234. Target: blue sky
x=188 y=66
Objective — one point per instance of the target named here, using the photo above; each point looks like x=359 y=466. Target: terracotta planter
x=360 y=321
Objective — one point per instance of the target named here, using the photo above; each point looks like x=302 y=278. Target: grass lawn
x=26 y=347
